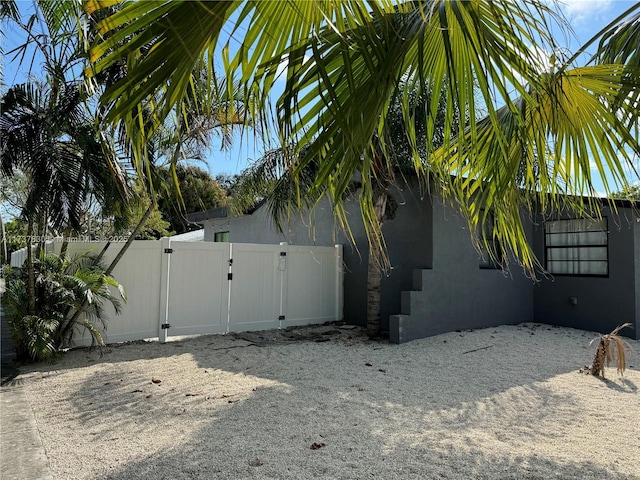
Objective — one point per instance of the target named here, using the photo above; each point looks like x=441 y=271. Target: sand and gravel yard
x=326 y=403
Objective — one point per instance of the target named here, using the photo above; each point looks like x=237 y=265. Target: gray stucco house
x=439 y=282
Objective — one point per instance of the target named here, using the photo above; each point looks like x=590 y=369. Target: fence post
x=282 y=267
x=165 y=270
x=339 y=273
x=229 y=287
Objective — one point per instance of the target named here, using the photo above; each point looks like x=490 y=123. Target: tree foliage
x=195 y=191
x=62 y=287
x=632 y=192
x=518 y=127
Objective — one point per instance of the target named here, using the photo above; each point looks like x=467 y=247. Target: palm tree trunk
x=126 y=246
x=65 y=243
x=597 y=367
x=31 y=275
x=374 y=273
x=4 y=242
x=39 y=233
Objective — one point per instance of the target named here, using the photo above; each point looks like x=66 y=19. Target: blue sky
x=587 y=17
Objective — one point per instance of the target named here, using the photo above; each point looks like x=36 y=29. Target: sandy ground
x=324 y=402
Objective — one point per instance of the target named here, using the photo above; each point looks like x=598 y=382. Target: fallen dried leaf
x=316 y=446
x=155 y=380
x=192 y=394
x=369 y=364
x=137 y=391
x=255 y=463
x=382 y=370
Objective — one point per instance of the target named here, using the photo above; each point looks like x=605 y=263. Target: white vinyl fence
x=185 y=288
x=20 y=256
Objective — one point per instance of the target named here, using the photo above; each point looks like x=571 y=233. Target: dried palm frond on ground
x=610 y=346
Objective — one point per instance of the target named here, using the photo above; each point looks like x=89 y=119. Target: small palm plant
x=63 y=286
x=611 y=346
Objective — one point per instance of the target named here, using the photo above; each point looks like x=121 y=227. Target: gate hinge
x=229 y=276
x=165 y=326
x=281 y=317
x=168 y=250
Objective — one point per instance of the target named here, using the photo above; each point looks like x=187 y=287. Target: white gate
x=234 y=287
x=256 y=287
x=198 y=288
x=186 y=288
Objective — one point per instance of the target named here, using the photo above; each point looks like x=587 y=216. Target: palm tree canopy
x=518 y=126
x=48 y=134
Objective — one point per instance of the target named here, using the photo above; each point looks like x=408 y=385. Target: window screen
x=577 y=247
x=221 y=237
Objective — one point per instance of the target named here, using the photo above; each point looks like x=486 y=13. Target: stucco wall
x=602 y=302
x=409 y=242
x=456 y=293
x=435 y=284
x=259 y=227
x=408 y=238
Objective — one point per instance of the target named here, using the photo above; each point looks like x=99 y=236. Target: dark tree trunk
x=374 y=272
x=65 y=243
x=42 y=233
x=4 y=242
x=31 y=275
x=597 y=367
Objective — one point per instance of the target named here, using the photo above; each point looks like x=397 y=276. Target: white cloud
x=582 y=11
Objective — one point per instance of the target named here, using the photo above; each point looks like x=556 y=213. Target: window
x=577 y=247
x=486 y=260
x=221 y=237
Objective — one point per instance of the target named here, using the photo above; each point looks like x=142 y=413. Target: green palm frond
x=9 y=10
x=569 y=128
x=62 y=286
x=40 y=335
x=48 y=134
x=621 y=43
x=342 y=63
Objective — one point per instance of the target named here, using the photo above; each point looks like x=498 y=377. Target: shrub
x=62 y=286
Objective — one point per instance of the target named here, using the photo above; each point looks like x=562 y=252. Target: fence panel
x=189 y=289
x=256 y=287
x=139 y=272
x=311 y=293
x=18 y=257
x=198 y=288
